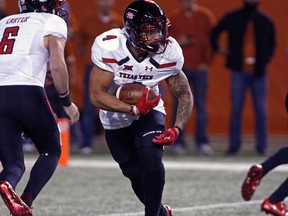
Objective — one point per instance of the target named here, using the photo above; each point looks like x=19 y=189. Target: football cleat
x=278 y=209
x=14 y=203
x=251 y=181
x=168 y=210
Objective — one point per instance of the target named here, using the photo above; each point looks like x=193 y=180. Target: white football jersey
x=110 y=53
x=23 y=57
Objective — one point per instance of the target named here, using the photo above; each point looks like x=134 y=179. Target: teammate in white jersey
x=141 y=52
x=29 y=41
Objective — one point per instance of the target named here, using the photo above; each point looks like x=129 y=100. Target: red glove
x=145 y=105
x=168 y=137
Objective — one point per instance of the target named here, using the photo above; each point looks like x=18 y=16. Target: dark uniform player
x=28 y=41
x=140 y=52
x=274 y=203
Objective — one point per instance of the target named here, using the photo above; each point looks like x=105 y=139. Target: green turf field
x=195 y=186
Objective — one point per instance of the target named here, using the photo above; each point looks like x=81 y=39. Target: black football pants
x=26 y=109
x=140 y=160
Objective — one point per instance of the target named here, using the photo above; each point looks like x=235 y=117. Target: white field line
x=175 y=165
x=195 y=208
x=169 y=165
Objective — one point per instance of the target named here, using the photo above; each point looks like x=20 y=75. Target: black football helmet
x=143 y=16
x=47 y=6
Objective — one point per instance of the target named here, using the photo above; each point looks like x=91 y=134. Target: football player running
x=274 y=204
x=29 y=41
x=141 y=52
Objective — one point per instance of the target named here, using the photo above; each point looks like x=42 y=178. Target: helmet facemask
x=153 y=37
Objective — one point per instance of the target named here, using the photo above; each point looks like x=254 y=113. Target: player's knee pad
x=152 y=160
x=131 y=171
x=154 y=180
x=52 y=150
x=155 y=173
x=56 y=154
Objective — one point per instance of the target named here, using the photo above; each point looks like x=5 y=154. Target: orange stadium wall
x=219 y=80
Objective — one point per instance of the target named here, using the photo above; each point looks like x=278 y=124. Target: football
x=131 y=93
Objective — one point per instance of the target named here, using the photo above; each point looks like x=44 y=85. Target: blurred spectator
x=251 y=46
x=3 y=9
x=191 y=27
x=76 y=135
x=103 y=20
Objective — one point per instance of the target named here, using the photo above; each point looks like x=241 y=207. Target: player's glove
x=145 y=105
x=168 y=137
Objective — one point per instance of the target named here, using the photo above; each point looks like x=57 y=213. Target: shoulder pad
x=108 y=40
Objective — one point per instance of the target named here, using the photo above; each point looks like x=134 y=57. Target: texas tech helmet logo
x=130 y=13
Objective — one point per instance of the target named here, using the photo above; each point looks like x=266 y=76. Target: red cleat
x=14 y=203
x=168 y=210
x=251 y=181
x=278 y=209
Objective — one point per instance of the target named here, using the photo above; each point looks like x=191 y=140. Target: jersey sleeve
x=104 y=45
x=175 y=54
x=56 y=26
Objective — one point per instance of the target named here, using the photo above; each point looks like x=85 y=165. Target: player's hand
x=168 y=137
x=145 y=105
x=73 y=113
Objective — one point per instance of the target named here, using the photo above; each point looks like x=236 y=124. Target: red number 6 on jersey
x=7 y=44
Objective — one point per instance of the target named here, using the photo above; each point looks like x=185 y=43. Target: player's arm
x=58 y=66
x=179 y=86
x=100 y=82
x=60 y=76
